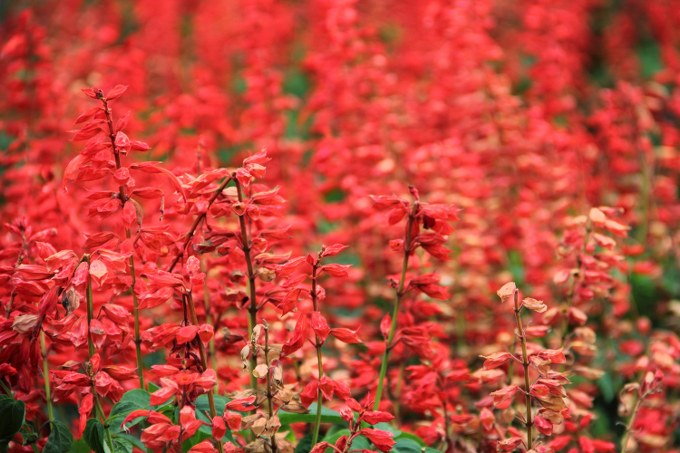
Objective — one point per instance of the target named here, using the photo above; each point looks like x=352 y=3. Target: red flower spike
x=374 y=417
x=320 y=326
x=346 y=335
x=503 y=398
x=381 y=439
x=241 y=404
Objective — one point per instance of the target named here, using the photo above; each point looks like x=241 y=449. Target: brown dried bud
x=25 y=323
x=507 y=291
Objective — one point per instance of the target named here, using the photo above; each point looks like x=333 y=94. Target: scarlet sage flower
x=144 y=228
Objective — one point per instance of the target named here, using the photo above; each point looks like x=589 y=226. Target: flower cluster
x=259 y=226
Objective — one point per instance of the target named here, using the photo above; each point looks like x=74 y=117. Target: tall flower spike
x=434 y=220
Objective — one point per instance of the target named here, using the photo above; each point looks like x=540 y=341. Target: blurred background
x=523 y=113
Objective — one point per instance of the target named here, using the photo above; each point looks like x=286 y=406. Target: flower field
x=340 y=226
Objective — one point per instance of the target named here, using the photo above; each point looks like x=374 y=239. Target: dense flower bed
x=340 y=226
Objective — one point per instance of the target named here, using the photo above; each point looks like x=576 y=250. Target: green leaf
x=13 y=413
x=361 y=443
x=60 y=438
x=79 y=446
x=649 y=55
x=203 y=406
x=399 y=435
x=333 y=437
x=94 y=435
x=122 y=445
x=203 y=414
x=305 y=444
x=327 y=416
x=131 y=439
x=335 y=195
x=412 y=437
x=606 y=384
x=132 y=400
x=406 y=445
x=516 y=267
x=644 y=294
x=405 y=442
x=389 y=428
x=196 y=439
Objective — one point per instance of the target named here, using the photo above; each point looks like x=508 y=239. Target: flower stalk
x=91 y=352
x=319 y=358
x=123 y=199
x=197 y=223
x=46 y=377
x=270 y=394
x=525 y=364
x=625 y=440
x=400 y=291
x=252 y=290
x=189 y=300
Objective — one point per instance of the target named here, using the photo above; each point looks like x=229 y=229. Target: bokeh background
x=522 y=113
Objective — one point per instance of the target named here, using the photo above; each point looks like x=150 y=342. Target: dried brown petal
x=535 y=305
x=507 y=291
x=260 y=371
x=24 y=323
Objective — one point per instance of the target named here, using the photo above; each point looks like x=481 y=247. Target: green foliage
x=203 y=414
x=305 y=444
x=644 y=294
x=203 y=406
x=406 y=445
x=335 y=195
x=5 y=140
x=610 y=383
x=153 y=358
x=405 y=442
x=120 y=443
x=60 y=439
x=671 y=278
x=649 y=55
x=124 y=443
x=516 y=267
x=296 y=82
x=327 y=416
x=94 y=436
x=12 y=417
x=80 y=446
x=132 y=400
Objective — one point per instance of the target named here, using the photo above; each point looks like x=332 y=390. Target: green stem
x=90 y=309
x=46 y=377
x=7 y=390
x=319 y=401
x=270 y=394
x=576 y=280
x=395 y=311
x=319 y=362
x=102 y=418
x=208 y=318
x=135 y=314
x=252 y=290
x=122 y=193
x=197 y=222
x=525 y=364
x=204 y=360
x=625 y=440
x=91 y=351
x=447 y=428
